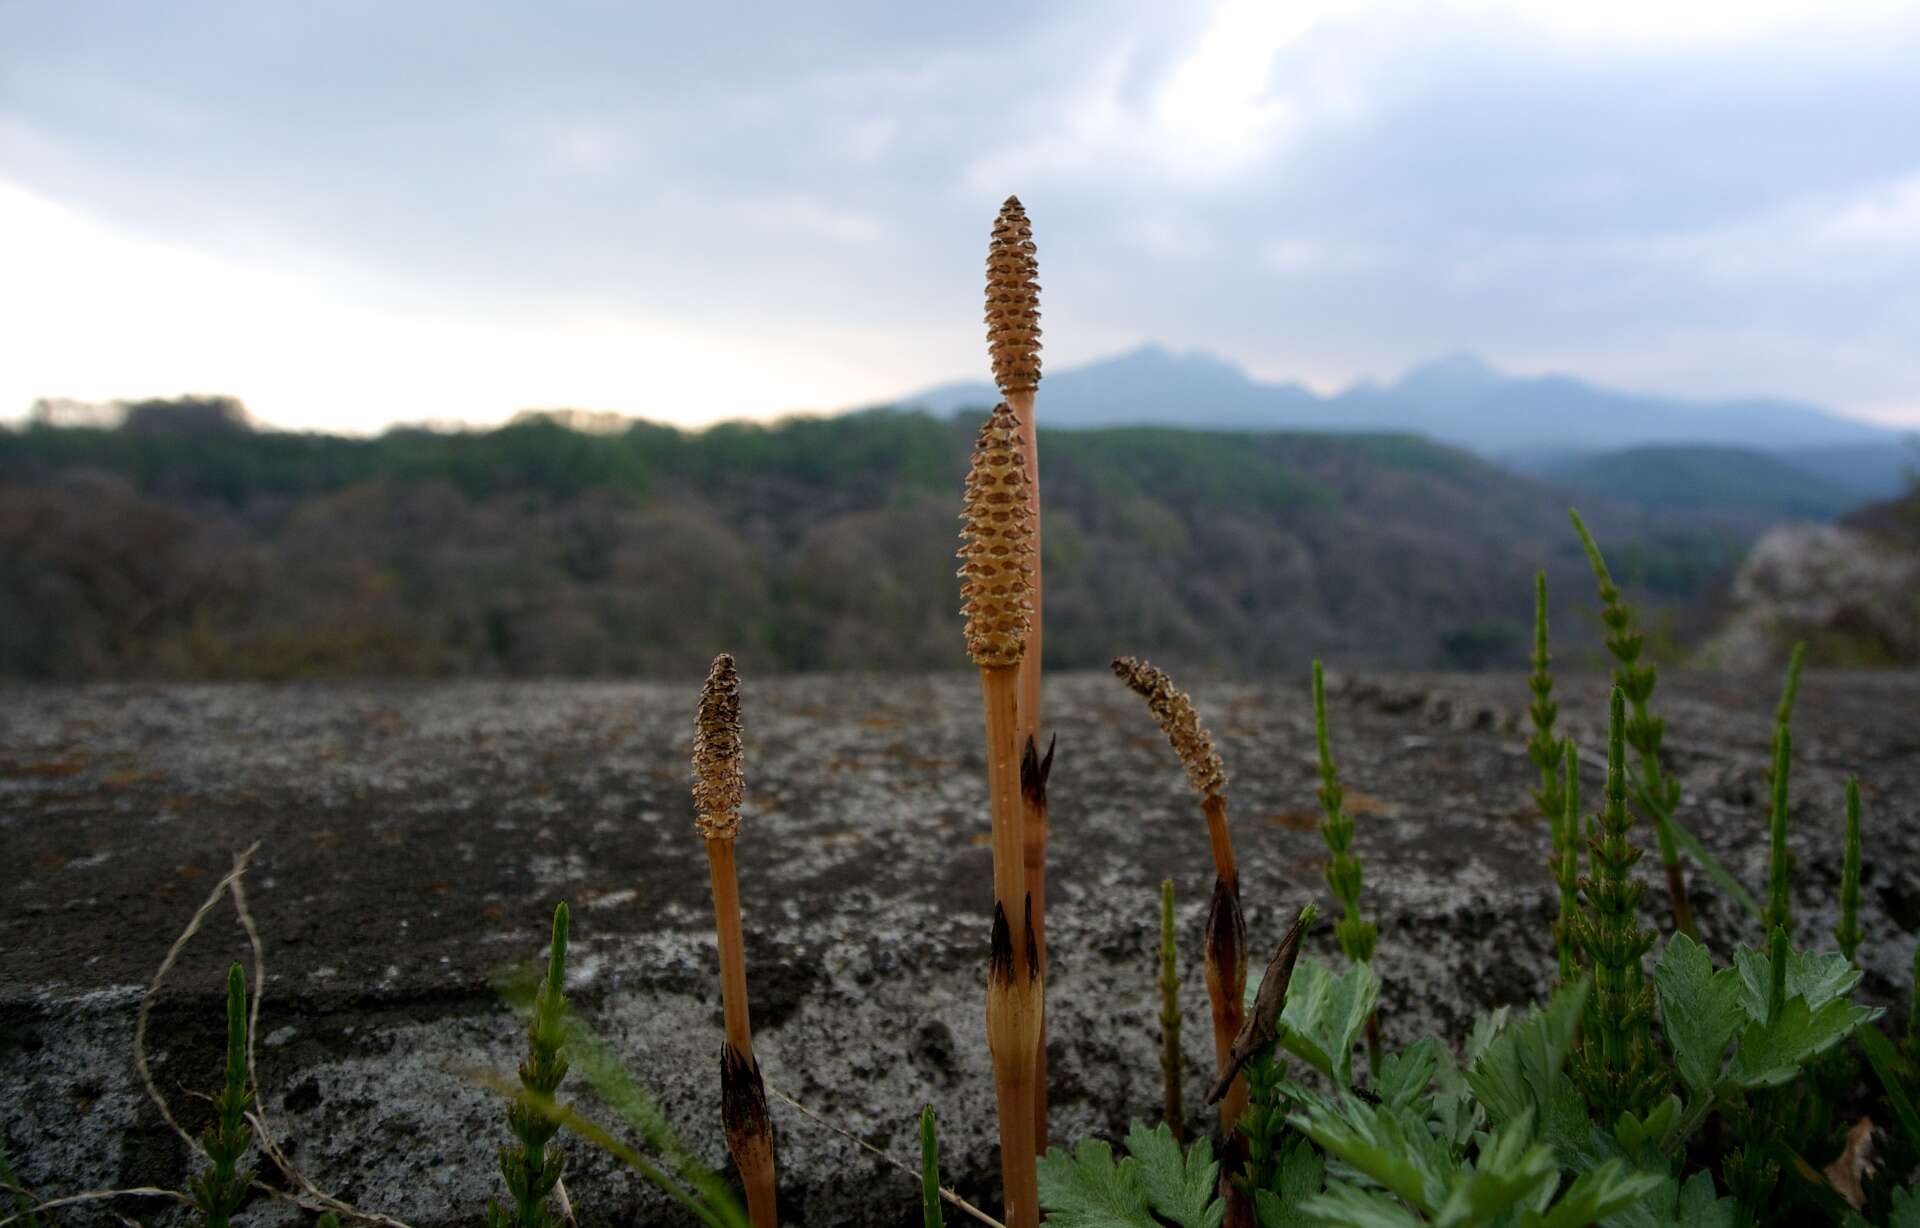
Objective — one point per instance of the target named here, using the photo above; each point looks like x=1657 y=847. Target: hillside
x=1740 y=483
x=190 y=545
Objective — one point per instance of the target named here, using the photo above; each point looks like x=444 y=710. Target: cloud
x=1711 y=193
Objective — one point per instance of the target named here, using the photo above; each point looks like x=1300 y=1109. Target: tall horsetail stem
x=996 y=591
x=1614 y=1063
x=1170 y=1017
x=220 y=1189
x=719 y=787
x=1655 y=792
x=529 y=1170
x=1547 y=750
x=1847 y=933
x=1013 y=345
x=1357 y=936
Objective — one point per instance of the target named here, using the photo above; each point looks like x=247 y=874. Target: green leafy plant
x=219 y=1190
x=529 y=1169
x=1549 y=753
x=1357 y=936
x=1156 y=1183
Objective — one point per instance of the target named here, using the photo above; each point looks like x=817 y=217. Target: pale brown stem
x=1214 y=806
x=1028 y=711
x=750 y=1144
x=1015 y=1003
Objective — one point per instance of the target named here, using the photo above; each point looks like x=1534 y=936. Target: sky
x=354 y=214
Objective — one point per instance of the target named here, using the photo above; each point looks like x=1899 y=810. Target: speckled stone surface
x=414 y=838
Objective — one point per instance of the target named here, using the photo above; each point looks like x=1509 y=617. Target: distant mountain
x=1459 y=399
x=1734 y=482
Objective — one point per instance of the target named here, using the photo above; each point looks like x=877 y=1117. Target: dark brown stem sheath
x=1034 y=771
x=1015 y=1001
x=1034 y=836
x=1226 y=969
x=743 y=1096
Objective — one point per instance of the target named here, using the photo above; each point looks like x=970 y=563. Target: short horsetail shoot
x=719 y=784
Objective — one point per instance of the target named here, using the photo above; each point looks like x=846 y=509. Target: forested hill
x=184 y=543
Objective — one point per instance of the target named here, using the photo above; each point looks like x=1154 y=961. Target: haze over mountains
x=1539 y=424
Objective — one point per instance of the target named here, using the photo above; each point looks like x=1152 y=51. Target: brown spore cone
x=1013 y=301
x=719 y=783
x=996 y=589
x=1174 y=711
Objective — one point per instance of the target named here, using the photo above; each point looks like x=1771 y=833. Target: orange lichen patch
x=997 y=578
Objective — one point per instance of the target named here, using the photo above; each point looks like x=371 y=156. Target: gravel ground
x=415 y=837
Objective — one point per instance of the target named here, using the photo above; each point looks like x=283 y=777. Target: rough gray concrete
x=414 y=839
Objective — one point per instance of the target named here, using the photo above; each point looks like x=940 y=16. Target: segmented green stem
x=1170 y=1016
x=1615 y=1059
x=529 y=1170
x=930 y=1215
x=1847 y=933
x=220 y=1189
x=1780 y=861
x=1566 y=864
x=1544 y=747
x=1778 y=951
x=1654 y=791
x=1344 y=875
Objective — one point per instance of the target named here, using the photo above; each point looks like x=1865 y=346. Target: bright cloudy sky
x=349 y=214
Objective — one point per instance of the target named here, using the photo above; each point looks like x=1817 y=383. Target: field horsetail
x=718 y=787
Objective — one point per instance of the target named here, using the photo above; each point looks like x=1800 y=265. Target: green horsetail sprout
x=1614 y=1062
x=1778 y=951
x=930 y=1215
x=1783 y=714
x=1780 y=861
x=529 y=1170
x=1654 y=791
x=1545 y=746
x=1847 y=933
x=219 y=1190
x=1357 y=936
x=1566 y=864
x=1170 y=1017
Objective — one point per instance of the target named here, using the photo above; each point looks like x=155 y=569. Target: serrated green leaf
x=1325 y=1014
x=1404 y=1078
x=1486 y=1026
x=1607 y=1191
x=1512 y=1171
x=1772 y=1054
x=1393 y=1148
x=1349 y=1206
x=1700 y=1010
x=1819 y=977
x=1180 y=1186
x=1518 y=1073
x=1455 y=1110
x=1089 y=1190
x=1301 y=1175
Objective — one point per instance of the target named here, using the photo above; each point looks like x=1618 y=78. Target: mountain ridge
x=1458 y=398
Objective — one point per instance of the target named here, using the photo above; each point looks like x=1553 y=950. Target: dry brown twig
x=719 y=784
x=996 y=600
